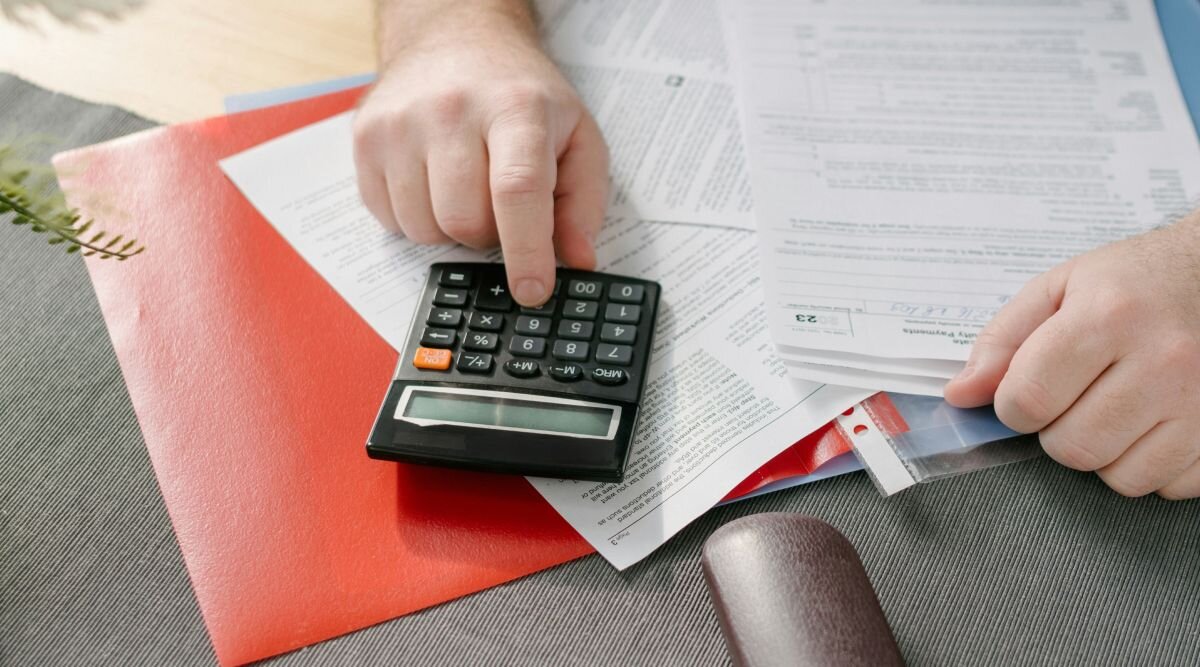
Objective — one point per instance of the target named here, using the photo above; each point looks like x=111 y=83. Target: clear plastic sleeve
x=903 y=439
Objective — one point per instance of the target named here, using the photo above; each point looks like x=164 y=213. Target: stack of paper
x=914 y=164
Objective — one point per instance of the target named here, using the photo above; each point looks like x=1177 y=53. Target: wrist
x=413 y=27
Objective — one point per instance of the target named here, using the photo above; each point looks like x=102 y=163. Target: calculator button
x=584 y=289
x=486 y=322
x=435 y=337
x=618 y=333
x=454 y=298
x=565 y=372
x=524 y=346
x=533 y=326
x=625 y=293
x=474 y=362
x=493 y=294
x=444 y=317
x=522 y=368
x=546 y=309
x=609 y=376
x=621 y=355
x=571 y=350
x=480 y=341
x=557 y=286
x=431 y=360
x=575 y=329
x=454 y=278
x=580 y=310
x=623 y=313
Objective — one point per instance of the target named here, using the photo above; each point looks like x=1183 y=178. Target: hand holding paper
x=1101 y=355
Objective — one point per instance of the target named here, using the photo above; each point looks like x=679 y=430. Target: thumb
x=999 y=340
x=581 y=195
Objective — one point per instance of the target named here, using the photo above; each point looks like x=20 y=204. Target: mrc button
x=609 y=376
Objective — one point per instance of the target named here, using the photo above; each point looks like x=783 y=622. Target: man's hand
x=473 y=135
x=1102 y=356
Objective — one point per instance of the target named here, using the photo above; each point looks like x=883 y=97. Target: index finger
x=522 y=174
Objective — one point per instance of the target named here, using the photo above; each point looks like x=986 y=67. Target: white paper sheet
x=654 y=74
x=915 y=163
x=718 y=403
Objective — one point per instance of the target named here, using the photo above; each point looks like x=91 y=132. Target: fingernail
x=530 y=292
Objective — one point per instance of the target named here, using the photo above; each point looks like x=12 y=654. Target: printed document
x=914 y=164
x=654 y=75
x=718 y=402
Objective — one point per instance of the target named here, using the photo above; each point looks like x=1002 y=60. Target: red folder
x=255 y=386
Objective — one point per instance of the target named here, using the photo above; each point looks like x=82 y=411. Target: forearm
x=404 y=23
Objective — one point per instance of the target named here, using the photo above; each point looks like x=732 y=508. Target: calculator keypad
x=589 y=331
x=527 y=346
x=575 y=330
x=444 y=317
x=580 y=310
x=486 y=322
x=570 y=350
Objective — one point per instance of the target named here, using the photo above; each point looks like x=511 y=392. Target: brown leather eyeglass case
x=790 y=590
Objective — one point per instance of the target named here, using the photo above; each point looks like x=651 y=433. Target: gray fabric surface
x=1028 y=564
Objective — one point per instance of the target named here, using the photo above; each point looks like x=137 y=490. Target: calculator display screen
x=510 y=412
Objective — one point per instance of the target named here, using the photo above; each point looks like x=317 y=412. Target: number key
x=621 y=355
x=625 y=293
x=533 y=326
x=580 y=310
x=546 y=309
x=575 y=329
x=570 y=350
x=584 y=289
x=625 y=314
x=480 y=341
x=618 y=333
x=524 y=346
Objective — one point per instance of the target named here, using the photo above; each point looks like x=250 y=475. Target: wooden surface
x=174 y=60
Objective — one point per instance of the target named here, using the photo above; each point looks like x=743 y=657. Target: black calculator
x=552 y=391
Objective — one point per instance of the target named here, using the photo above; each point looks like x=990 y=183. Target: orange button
x=431 y=359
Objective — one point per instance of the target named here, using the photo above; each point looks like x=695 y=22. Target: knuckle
x=423 y=234
x=448 y=108
x=1180 y=354
x=1116 y=307
x=1069 y=451
x=471 y=230
x=1126 y=484
x=513 y=181
x=523 y=100
x=1171 y=492
x=1024 y=404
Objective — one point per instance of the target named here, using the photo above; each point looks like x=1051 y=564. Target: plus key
x=492 y=293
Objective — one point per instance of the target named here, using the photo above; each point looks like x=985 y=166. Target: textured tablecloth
x=1028 y=564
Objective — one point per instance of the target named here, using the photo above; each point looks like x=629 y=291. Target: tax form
x=718 y=403
x=655 y=76
x=914 y=164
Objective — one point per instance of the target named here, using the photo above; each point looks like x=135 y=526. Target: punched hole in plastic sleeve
x=873 y=450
